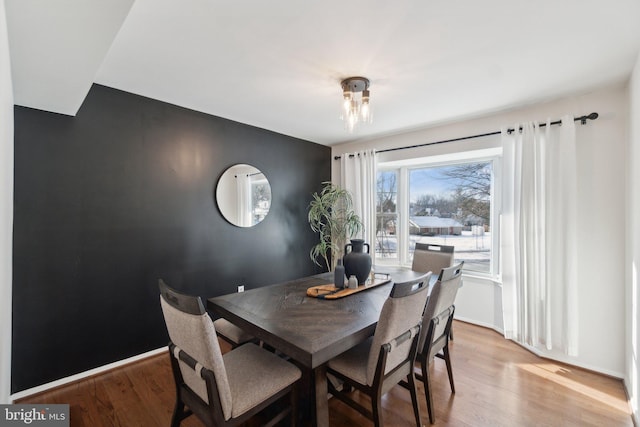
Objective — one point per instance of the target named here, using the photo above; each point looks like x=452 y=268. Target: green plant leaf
x=331 y=215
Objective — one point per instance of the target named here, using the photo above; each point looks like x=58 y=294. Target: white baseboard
x=484 y=325
x=83 y=375
x=569 y=361
x=634 y=414
x=538 y=353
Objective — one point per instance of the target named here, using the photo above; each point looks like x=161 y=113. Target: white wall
x=633 y=245
x=6 y=208
x=602 y=151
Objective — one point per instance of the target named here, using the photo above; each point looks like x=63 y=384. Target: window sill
x=474 y=275
x=496 y=280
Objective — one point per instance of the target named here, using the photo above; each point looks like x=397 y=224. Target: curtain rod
x=248 y=174
x=582 y=119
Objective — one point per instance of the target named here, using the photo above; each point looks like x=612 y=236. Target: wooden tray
x=330 y=291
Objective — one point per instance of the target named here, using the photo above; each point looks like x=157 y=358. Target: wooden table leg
x=321 y=393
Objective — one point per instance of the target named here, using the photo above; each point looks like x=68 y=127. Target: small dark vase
x=356 y=261
x=338 y=275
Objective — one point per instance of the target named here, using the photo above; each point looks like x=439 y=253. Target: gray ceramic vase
x=356 y=261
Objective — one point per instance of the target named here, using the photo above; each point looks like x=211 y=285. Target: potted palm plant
x=331 y=215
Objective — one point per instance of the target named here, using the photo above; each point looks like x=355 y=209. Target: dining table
x=309 y=331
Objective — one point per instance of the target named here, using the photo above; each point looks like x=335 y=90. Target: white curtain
x=358 y=175
x=6 y=209
x=539 y=259
x=243 y=183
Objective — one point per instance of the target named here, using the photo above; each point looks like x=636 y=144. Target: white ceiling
x=56 y=47
x=278 y=64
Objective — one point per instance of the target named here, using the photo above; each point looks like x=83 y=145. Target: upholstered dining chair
x=431 y=257
x=436 y=328
x=231 y=333
x=434 y=258
x=377 y=364
x=221 y=390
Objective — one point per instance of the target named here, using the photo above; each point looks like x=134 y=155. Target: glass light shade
x=356 y=107
x=355 y=111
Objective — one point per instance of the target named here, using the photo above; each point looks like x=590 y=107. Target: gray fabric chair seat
x=353 y=362
x=231 y=331
x=222 y=390
x=249 y=389
x=379 y=363
x=436 y=329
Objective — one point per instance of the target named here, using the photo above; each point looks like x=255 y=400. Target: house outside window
x=446 y=203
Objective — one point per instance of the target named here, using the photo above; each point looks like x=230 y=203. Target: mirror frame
x=230 y=194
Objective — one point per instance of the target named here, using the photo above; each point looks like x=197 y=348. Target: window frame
x=403 y=168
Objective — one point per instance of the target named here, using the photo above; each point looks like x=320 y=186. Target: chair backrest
x=191 y=330
x=434 y=258
x=401 y=311
x=441 y=300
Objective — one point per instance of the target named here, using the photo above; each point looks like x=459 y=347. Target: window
x=260 y=198
x=445 y=203
x=387 y=215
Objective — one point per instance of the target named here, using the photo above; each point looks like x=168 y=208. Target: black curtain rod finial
x=592 y=116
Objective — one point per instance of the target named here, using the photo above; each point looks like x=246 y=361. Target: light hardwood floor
x=498 y=383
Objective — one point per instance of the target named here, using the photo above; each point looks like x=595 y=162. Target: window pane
x=260 y=200
x=451 y=205
x=387 y=215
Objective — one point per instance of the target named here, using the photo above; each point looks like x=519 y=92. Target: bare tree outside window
x=260 y=200
x=451 y=205
x=386 y=215
x=473 y=188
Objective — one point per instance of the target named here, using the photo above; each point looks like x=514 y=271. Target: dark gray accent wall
x=123 y=194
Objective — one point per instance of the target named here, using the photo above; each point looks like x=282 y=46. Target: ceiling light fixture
x=355 y=104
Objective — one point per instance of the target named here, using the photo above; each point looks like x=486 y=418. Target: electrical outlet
x=241 y=288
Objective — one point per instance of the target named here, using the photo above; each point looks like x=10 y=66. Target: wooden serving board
x=330 y=291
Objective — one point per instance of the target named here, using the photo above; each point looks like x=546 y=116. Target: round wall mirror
x=243 y=195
